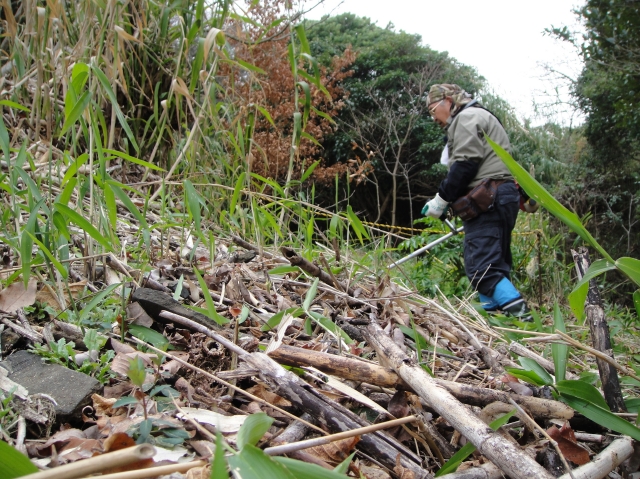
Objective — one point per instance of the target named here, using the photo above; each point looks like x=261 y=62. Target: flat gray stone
x=70 y=389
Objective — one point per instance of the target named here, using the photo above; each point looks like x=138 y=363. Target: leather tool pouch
x=478 y=200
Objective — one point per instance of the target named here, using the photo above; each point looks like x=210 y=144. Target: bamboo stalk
x=99 y=463
x=152 y=471
x=319 y=441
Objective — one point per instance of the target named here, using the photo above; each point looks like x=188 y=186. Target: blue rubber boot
x=488 y=304
x=510 y=301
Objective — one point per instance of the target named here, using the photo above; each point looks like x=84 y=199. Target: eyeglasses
x=432 y=111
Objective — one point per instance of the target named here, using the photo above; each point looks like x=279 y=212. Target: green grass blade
x=13 y=463
x=211 y=307
x=61 y=269
x=253 y=429
x=559 y=352
x=193 y=203
x=582 y=390
x=532 y=365
x=601 y=416
x=104 y=81
x=76 y=112
x=357 y=225
x=81 y=222
x=96 y=300
x=133 y=159
x=236 y=192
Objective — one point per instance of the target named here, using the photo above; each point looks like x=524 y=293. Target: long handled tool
x=442 y=239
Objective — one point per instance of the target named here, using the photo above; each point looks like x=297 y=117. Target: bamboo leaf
x=597 y=268
x=149 y=335
x=211 y=307
x=530 y=377
x=253 y=463
x=74 y=166
x=96 y=300
x=536 y=191
x=452 y=464
x=357 y=225
x=532 y=365
x=266 y=114
x=577 y=299
x=253 y=429
x=309 y=171
x=219 y=462
x=302 y=36
x=104 y=81
x=61 y=269
x=276 y=187
x=249 y=66
x=13 y=104
x=76 y=112
x=601 y=416
x=4 y=140
x=122 y=196
x=636 y=302
x=559 y=351
x=582 y=390
x=304 y=470
x=81 y=222
x=197 y=65
x=132 y=159
x=193 y=203
x=630 y=267
x=311 y=294
x=13 y=463
x=330 y=326
x=236 y=192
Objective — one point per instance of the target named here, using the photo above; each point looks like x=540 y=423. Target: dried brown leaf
x=46 y=297
x=121 y=440
x=260 y=391
x=402 y=472
x=336 y=452
x=15 y=296
x=566 y=440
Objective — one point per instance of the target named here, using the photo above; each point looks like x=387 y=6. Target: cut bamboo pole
x=492 y=445
x=152 y=471
x=619 y=451
x=99 y=463
x=319 y=441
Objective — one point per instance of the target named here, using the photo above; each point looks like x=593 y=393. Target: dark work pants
x=487 y=241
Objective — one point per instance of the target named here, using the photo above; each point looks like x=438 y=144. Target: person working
x=480 y=189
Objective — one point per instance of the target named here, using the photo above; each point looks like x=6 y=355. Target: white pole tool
x=418 y=252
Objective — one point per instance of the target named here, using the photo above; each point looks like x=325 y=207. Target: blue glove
x=436 y=208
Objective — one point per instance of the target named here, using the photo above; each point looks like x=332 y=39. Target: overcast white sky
x=503 y=39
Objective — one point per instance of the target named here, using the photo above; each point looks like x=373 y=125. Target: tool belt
x=479 y=200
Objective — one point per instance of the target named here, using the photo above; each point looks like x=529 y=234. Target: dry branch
x=313 y=270
x=496 y=448
x=361 y=371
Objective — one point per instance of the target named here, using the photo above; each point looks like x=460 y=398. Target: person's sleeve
x=465 y=156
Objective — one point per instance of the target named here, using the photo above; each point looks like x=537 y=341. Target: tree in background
x=608 y=92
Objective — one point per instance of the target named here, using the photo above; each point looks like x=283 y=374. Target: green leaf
x=266 y=114
x=630 y=267
x=4 y=140
x=559 y=351
x=253 y=429
x=136 y=372
x=236 y=192
x=124 y=401
x=304 y=470
x=582 y=390
x=532 y=365
x=536 y=191
x=330 y=326
x=302 y=36
x=633 y=404
x=577 y=299
x=309 y=171
x=253 y=463
x=276 y=187
x=452 y=464
x=133 y=159
x=97 y=299
x=193 y=203
x=197 y=65
x=311 y=294
x=122 y=196
x=357 y=225
x=83 y=224
x=284 y=269
x=74 y=166
x=597 y=268
x=104 y=81
x=275 y=320
x=13 y=463
x=149 y=335
x=76 y=112
x=13 y=104
x=219 y=462
x=249 y=66
x=211 y=307
x=601 y=416
x=636 y=302
x=343 y=467
x=61 y=269
x=530 y=377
